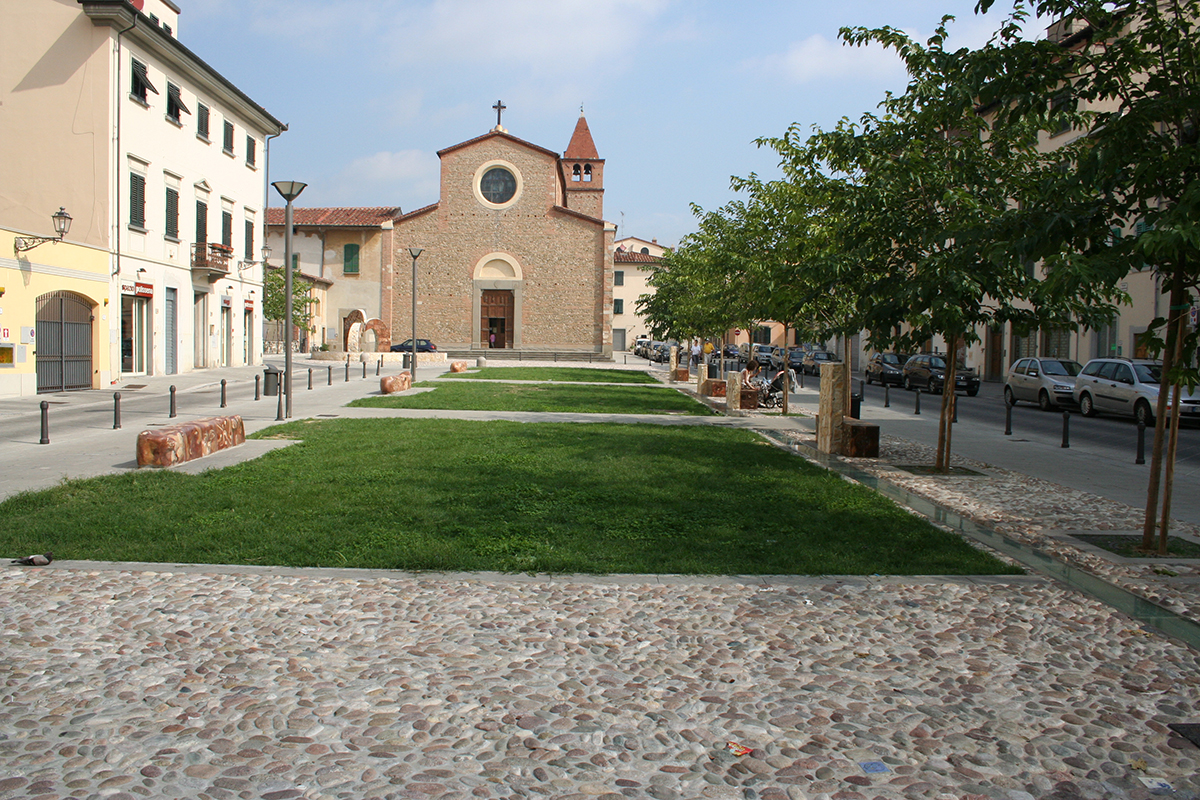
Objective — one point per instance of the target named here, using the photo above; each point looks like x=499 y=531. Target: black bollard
x=954 y=402
x=364 y=369
x=222 y=392
x=257 y=386
x=310 y=379
x=1066 y=428
x=917 y=407
x=862 y=389
x=116 y=411
x=887 y=396
x=45 y=423
x=347 y=371
x=378 y=367
x=330 y=376
x=1007 y=419
x=279 y=410
x=801 y=379
x=172 y=414
x=1141 y=448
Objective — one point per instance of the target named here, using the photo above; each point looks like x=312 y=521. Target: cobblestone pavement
x=122 y=683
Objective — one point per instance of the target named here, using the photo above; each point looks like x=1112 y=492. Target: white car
x=1049 y=382
x=1126 y=386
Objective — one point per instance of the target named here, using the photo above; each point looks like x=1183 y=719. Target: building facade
x=515 y=252
x=633 y=264
x=159 y=160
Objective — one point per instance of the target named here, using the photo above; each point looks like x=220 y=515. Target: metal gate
x=64 y=342
x=171 y=333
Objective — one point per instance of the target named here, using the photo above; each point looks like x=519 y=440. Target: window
x=227 y=228
x=166 y=29
x=498 y=185
x=295 y=262
x=1059 y=106
x=202 y=121
x=619 y=278
x=250 y=150
x=201 y=222
x=229 y=137
x=249 y=252
x=175 y=104
x=137 y=201
x=140 y=82
x=350 y=259
x=575 y=173
x=587 y=173
x=618 y=306
x=172 y=221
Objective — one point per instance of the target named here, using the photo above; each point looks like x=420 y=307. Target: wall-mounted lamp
x=245 y=265
x=141 y=271
x=62 y=224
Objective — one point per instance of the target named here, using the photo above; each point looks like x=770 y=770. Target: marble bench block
x=390 y=384
x=189 y=440
x=713 y=388
x=458 y=366
x=860 y=439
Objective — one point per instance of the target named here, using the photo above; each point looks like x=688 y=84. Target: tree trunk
x=942 y=464
x=1178 y=297
x=1173 y=440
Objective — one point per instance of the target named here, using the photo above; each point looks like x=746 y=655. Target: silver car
x=1049 y=382
x=1126 y=386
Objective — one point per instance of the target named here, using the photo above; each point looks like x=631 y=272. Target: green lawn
x=463 y=396
x=458 y=495
x=577 y=374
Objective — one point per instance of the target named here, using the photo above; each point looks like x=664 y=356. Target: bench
x=186 y=441
x=390 y=384
x=860 y=439
x=713 y=387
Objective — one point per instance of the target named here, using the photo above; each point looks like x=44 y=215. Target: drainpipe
x=117 y=157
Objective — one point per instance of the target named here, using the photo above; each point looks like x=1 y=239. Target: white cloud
x=818 y=59
x=408 y=178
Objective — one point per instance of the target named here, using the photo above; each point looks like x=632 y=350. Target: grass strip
x=458 y=495
x=462 y=396
x=560 y=374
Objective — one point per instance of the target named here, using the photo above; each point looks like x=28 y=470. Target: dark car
x=928 y=371
x=732 y=351
x=814 y=359
x=793 y=357
x=886 y=368
x=423 y=346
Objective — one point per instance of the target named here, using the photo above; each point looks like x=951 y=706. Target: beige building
x=158 y=160
x=516 y=254
x=633 y=264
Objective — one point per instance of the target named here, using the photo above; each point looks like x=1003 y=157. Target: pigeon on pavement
x=34 y=560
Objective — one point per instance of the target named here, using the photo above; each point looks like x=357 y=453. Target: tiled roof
x=494 y=132
x=371 y=217
x=581 y=145
x=635 y=258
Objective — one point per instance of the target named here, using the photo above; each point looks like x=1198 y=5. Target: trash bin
x=405 y=361
x=714 y=371
x=855 y=405
x=271 y=380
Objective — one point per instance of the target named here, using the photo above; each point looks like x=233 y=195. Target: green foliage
x=275 y=297
x=508 y=496
x=464 y=396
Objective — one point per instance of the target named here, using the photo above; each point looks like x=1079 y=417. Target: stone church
x=515 y=252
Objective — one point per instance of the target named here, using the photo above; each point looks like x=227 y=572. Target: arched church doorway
x=496 y=318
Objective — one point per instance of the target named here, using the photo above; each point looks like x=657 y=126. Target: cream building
x=159 y=161
x=633 y=264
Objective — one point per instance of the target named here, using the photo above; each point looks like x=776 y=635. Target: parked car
x=784 y=357
x=795 y=358
x=1049 y=382
x=423 y=346
x=886 y=368
x=1127 y=386
x=928 y=371
x=814 y=359
x=639 y=346
x=732 y=351
x=762 y=353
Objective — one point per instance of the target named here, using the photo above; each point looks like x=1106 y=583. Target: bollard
x=1141 y=448
x=801 y=379
x=45 y=423
x=330 y=376
x=1007 y=419
x=116 y=411
x=917 y=407
x=257 y=386
x=556 y=358
x=347 y=370
x=279 y=409
x=310 y=379
x=862 y=388
x=625 y=360
x=364 y=369
x=887 y=397
x=172 y=414
x=378 y=367
x=222 y=392
x=1066 y=428
x=954 y=402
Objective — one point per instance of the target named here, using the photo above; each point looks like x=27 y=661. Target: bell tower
x=583 y=171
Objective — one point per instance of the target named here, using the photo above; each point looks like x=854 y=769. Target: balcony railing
x=211 y=260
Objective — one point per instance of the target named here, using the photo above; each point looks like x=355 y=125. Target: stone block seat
x=186 y=441
x=390 y=384
x=860 y=439
x=713 y=387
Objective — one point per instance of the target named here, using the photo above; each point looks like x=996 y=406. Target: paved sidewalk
x=129 y=680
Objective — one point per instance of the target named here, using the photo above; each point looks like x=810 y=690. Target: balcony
x=211 y=260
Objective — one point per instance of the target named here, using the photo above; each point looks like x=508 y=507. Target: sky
x=675 y=91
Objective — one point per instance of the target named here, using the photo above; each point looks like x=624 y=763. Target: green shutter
x=227 y=228
x=618 y=278
x=249 y=240
x=350 y=259
x=618 y=306
x=172 y=213
x=295 y=262
x=137 y=200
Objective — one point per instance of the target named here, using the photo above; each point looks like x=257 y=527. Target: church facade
x=515 y=254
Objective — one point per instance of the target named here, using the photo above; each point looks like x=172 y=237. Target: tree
x=275 y=297
x=1127 y=75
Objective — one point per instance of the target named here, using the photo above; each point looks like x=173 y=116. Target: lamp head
x=415 y=251
x=62 y=222
x=289 y=190
x=266 y=253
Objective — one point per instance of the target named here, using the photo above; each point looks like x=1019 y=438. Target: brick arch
x=350 y=319
x=383 y=337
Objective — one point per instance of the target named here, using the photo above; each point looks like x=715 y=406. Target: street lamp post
x=289 y=190
x=414 y=252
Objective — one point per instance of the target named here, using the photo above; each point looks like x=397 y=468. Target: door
x=64 y=342
x=995 y=353
x=133 y=335
x=496 y=318
x=201 y=330
x=247 y=329
x=171 y=332
x=226 y=335
x=618 y=338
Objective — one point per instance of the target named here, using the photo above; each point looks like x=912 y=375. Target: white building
x=160 y=162
x=633 y=264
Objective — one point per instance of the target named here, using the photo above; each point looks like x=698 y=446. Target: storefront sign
x=136 y=288
x=226 y=301
x=249 y=305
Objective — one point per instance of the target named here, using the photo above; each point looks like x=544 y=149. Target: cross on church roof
x=499 y=107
